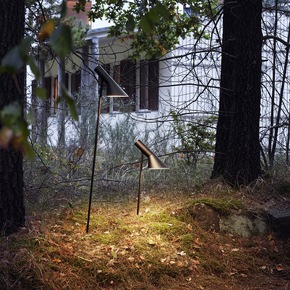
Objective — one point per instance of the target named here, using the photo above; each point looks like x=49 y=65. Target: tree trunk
x=237 y=156
x=44 y=107
x=61 y=112
x=85 y=102
x=12 y=213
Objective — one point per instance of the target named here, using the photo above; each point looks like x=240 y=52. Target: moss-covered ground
x=158 y=249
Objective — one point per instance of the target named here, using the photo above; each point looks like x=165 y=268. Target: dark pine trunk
x=12 y=213
x=237 y=156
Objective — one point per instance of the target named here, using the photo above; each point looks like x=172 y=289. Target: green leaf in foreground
x=70 y=102
x=16 y=58
x=61 y=40
x=41 y=93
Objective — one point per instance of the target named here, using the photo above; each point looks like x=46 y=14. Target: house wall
x=189 y=79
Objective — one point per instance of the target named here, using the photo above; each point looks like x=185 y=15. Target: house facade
x=186 y=81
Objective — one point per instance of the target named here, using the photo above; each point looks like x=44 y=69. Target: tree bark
x=12 y=212
x=237 y=156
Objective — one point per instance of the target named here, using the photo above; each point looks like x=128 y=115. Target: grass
x=162 y=248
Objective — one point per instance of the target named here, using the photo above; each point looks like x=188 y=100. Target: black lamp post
x=153 y=163
x=113 y=91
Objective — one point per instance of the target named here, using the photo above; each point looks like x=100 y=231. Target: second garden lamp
x=153 y=163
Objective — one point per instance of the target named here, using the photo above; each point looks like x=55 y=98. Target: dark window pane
x=153 y=86
x=128 y=83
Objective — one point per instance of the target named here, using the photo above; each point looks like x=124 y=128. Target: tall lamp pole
x=113 y=90
x=153 y=163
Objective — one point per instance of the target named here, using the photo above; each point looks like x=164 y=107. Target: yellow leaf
x=114 y=253
x=46 y=30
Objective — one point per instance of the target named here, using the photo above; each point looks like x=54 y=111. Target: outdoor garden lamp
x=153 y=163
x=113 y=90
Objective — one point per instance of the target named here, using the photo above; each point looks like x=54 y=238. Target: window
x=75 y=82
x=187 y=10
x=56 y=91
x=127 y=72
x=52 y=90
x=272 y=3
x=140 y=81
x=47 y=85
x=149 y=79
x=55 y=94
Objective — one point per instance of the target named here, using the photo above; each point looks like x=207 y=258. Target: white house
x=186 y=80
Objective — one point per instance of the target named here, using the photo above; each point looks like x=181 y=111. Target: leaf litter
x=155 y=250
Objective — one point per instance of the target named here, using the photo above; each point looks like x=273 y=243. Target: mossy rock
x=227 y=215
x=223 y=206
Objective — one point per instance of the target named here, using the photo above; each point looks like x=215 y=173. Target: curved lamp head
x=153 y=161
x=114 y=90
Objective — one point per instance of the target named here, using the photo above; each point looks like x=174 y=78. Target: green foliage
x=155 y=15
x=17 y=58
x=41 y=93
x=70 y=102
x=196 y=138
x=153 y=26
x=78 y=32
x=61 y=40
x=80 y=5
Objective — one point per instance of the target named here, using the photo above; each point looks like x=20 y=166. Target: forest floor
x=161 y=248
